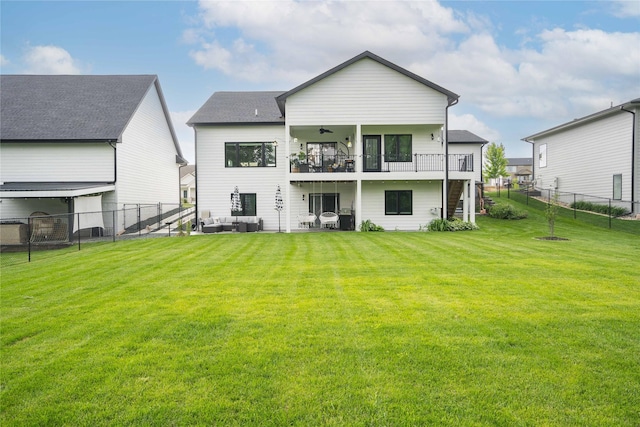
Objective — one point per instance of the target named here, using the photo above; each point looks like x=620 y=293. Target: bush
x=602 y=209
x=454 y=224
x=506 y=211
x=370 y=226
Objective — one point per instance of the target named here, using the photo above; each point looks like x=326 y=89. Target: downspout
x=533 y=160
x=115 y=161
x=633 y=158
x=445 y=138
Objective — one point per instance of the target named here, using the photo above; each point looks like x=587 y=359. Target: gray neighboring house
x=520 y=169
x=65 y=137
x=596 y=155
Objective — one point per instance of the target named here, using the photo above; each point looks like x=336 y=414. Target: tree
x=495 y=164
x=551 y=213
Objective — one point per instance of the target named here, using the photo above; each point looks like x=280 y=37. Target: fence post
x=79 y=233
x=139 y=229
x=113 y=228
x=609 y=213
x=574 y=205
x=29 y=236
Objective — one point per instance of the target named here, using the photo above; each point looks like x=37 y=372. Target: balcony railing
x=418 y=163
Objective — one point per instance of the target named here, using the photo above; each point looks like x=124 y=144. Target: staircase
x=455 y=192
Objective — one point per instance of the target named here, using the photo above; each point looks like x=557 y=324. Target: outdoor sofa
x=231 y=223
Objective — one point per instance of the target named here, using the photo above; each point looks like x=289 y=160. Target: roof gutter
x=633 y=157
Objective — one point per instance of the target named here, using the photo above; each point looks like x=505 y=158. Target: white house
x=597 y=155
x=367 y=140
x=66 y=137
x=188 y=183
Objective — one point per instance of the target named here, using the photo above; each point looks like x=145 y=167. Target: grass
x=488 y=327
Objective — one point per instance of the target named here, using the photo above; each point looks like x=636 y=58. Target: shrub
x=602 y=209
x=453 y=224
x=506 y=211
x=370 y=226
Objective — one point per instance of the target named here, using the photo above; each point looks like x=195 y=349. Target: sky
x=520 y=67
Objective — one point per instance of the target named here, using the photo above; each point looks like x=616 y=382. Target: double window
x=249 y=154
x=397 y=148
x=247 y=203
x=398 y=202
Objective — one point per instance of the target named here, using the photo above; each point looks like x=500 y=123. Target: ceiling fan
x=323 y=130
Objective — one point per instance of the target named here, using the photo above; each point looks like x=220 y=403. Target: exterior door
x=371 y=152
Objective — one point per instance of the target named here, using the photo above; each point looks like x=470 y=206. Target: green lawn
x=488 y=327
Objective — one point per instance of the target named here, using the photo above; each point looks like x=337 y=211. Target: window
x=617 y=187
x=397 y=148
x=248 y=202
x=249 y=154
x=398 y=202
x=542 y=155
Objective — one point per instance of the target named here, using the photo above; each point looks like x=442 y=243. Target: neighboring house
x=596 y=155
x=520 y=169
x=64 y=137
x=367 y=140
x=188 y=183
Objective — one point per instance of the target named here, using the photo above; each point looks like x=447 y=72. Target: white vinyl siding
x=56 y=162
x=147 y=169
x=426 y=197
x=584 y=158
x=216 y=182
x=366 y=92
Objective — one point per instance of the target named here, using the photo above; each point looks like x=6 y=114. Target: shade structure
x=279 y=205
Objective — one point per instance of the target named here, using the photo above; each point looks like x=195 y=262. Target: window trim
x=619 y=192
x=263 y=161
x=398 y=210
x=542 y=155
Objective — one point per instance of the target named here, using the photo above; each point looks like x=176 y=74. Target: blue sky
x=519 y=67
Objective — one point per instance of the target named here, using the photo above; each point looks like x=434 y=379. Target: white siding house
x=367 y=140
x=64 y=137
x=597 y=155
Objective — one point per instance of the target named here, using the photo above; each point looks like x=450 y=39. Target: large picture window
x=249 y=154
x=248 y=202
x=398 y=202
x=617 y=187
x=397 y=148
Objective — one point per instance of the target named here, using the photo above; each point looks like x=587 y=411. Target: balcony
x=418 y=163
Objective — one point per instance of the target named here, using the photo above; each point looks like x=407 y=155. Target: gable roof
x=464 y=137
x=239 y=107
x=634 y=103
x=451 y=97
x=73 y=107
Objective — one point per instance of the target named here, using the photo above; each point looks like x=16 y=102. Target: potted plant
x=295 y=162
x=302 y=163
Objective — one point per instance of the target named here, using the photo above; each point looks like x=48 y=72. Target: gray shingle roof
x=239 y=107
x=519 y=161
x=69 y=107
x=464 y=137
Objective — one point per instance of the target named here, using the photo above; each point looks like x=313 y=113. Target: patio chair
x=306 y=220
x=329 y=220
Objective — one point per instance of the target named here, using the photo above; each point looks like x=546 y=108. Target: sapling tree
x=495 y=164
x=551 y=213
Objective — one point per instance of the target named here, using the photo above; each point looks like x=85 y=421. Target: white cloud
x=184 y=133
x=547 y=73
x=472 y=124
x=625 y=8
x=4 y=61
x=50 y=60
